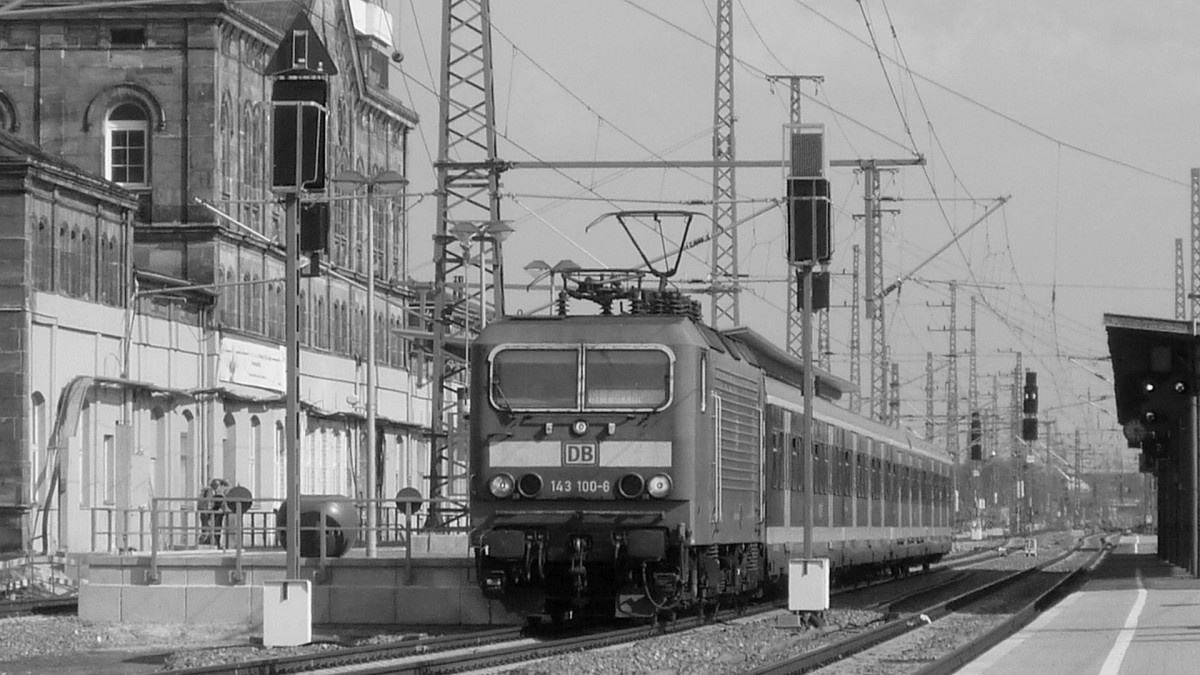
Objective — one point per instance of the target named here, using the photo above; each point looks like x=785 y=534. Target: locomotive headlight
x=630 y=485
x=659 y=486
x=579 y=427
x=501 y=486
x=529 y=485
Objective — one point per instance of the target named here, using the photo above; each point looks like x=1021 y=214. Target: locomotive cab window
x=534 y=377
x=626 y=378
x=542 y=379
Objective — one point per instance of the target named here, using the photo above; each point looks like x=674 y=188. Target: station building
x=141 y=299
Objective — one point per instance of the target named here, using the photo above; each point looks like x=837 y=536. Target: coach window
x=127 y=145
x=539 y=379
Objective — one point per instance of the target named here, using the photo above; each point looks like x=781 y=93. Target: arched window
x=229 y=451
x=43 y=256
x=358 y=240
x=187 y=456
x=336 y=310
x=87 y=260
x=37 y=441
x=344 y=328
x=280 y=462
x=246 y=165
x=302 y=320
x=127 y=145
x=379 y=230
x=399 y=245
x=62 y=259
x=246 y=315
x=253 y=473
x=395 y=355
x=161 y=456
x=257 y=178
x=228 y=165
x=8 y=114
x=73 y=281
x=103 y=283
x=254 y=307
x=227 y=302
x=321 y=326
x=380 y=335
x=360 y=330
x=116 y=272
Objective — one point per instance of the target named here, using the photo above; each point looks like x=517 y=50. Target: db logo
x=580 y=454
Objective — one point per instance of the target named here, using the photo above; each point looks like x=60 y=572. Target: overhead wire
x=1008 y=118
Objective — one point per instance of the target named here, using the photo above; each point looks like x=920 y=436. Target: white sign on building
x=252 y=364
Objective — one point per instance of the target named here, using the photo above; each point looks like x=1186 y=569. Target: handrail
x=176 y=523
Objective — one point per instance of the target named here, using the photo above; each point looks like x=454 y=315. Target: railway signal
x=976 y=438
x=810 y=237
x=1029 y=425
x=1163 y=410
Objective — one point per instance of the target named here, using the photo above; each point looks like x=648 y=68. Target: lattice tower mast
x=468 y=195
x=874 y=229
x=973 y=363
x=894 y=394
x=855 y=335
x=952 y=446
x=992 y=428
x=930 y=429
x=1195 y=244
x=1014 y=426
x=724 y=241
x=1180 y=283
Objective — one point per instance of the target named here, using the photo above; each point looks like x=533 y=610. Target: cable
x=1008 y=118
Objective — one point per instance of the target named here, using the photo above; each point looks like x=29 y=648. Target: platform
x=436 y=585
x=1137 y=614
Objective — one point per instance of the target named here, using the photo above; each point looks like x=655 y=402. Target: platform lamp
x=540 y=269
x=495 y=231
x=386 y=181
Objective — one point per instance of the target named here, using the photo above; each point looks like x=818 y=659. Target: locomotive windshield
x=580 y=378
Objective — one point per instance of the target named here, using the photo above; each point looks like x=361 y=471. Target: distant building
x=143 y=300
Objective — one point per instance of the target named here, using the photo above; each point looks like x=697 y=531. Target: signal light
x=809 y=226
x=1163 y=411
x=1029 y=426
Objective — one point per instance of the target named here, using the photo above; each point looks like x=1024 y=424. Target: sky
x=1082 y=112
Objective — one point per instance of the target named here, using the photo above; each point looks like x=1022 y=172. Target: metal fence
x=180 y=524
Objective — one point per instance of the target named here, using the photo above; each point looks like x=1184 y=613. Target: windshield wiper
x=498 y=394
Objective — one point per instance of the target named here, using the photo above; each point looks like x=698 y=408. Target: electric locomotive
x=637 y=461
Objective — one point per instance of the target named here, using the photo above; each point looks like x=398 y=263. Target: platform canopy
x=1143 y=346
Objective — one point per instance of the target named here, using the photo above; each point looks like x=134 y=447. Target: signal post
x=810 y=243
x=300 y=67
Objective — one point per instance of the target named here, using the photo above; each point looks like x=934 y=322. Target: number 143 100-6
x=583 y=486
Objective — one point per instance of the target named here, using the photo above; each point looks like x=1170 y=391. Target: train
x=635 y=461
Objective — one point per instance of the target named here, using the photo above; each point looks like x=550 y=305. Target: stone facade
x=128 y=380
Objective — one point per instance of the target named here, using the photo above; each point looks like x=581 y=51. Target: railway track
x=1010 y=602
x=506 y=646
x=60 y=604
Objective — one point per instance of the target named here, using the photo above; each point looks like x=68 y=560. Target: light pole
x=388 y=180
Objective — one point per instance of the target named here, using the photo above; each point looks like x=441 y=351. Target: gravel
x=713 y=650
